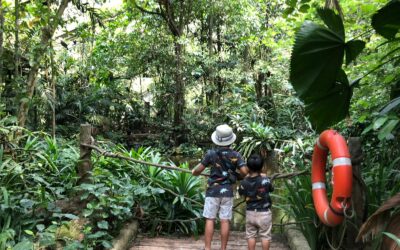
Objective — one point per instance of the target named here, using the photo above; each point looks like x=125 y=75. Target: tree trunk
x=270 y=161
x=334 y=5
x=85 y=164
x=210 y=72
x=179 y=100
x=259 y=87
x=220 y=81
x=269 y=97
x=53 y=86
x=146 y=116
x=162 y=102
x=1 y=42
x=47 y=34
x=264 y=93
x=16 y=43
x=175 y=24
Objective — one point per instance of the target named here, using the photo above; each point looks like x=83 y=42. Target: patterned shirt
x=223 y=162
x=256 y=191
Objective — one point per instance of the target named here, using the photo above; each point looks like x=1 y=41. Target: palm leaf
x=316 y=73
x=393 y=237
x=390 y=106
x=311 y=74
x=376 y=222
x=332 y=20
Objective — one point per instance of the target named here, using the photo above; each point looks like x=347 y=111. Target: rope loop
x=338 y=247
x=345 y=209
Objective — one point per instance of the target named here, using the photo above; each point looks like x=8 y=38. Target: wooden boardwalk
x=237 y=241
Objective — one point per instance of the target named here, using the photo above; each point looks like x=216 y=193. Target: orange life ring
x=331 y=214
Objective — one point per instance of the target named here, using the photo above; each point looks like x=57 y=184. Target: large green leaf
x=386 y=21
x=353 y=49
x=316 y=72
x=24 y=245
x=316 y=69
x=316 y=59
x=333 y=21
x=331 y=108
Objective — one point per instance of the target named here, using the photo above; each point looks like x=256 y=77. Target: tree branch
x=288 y=175
x=165 y=15
x=169 y=18
x=116 y=155
x=148 y=11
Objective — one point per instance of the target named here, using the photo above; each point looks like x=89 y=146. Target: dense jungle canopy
x=155 y=77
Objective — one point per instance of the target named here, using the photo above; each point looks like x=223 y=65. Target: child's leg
x=225 y=215
x=208 y=233
x=265 y=219
x=224 y=233
x=251 y=243
x=251 y=229
x=211 y=207
x=265 y=244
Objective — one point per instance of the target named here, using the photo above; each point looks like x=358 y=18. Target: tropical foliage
x=118 y=192
x=155 y=77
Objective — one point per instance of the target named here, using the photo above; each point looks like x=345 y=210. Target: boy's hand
x=198 y=169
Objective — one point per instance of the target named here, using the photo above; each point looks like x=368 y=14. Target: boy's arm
x=270 y=186
x=198 y=169
x=204 y=162
x=244 y=170
x=241 y=164
x=241 y=189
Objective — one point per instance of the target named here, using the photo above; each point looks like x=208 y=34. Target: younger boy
x=256 y=188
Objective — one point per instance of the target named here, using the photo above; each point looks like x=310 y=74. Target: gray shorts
x=222 y=204
x=258 y=222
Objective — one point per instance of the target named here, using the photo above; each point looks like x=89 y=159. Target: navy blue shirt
x=223 y=162
x=256 y=191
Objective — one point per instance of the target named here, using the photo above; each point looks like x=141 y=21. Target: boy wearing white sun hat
x=223 y=162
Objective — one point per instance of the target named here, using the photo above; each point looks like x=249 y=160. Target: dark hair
x=255 y=163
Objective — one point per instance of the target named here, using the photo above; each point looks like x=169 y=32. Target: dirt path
x=237 y=241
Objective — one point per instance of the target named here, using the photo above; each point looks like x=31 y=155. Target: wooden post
x=270 y=162
x=147 y=109
x=358 y=194
x=146 y=112
x=85 y=164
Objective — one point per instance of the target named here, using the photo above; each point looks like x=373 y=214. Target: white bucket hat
x=223 y=135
